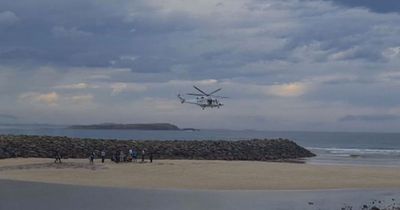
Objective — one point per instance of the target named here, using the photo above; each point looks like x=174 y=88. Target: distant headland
x=139 y=126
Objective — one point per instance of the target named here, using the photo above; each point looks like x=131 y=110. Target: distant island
x=142 y=126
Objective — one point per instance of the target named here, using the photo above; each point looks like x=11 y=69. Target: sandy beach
x=200 y=174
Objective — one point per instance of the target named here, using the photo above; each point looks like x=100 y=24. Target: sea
x=331 y=148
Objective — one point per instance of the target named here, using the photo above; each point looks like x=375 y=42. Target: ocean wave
x=355 y=151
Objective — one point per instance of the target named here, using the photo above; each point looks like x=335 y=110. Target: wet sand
x=200 y=174
x=17 y=195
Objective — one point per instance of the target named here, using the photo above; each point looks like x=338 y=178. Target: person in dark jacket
x=103 y=156
x=91 y=157
x=151 y=157
x=117 y=157
x=57 y=157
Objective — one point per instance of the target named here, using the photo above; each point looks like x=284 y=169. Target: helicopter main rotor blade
x=220 y=97
x=194 y=94
x=215 y=91
x=200 y=90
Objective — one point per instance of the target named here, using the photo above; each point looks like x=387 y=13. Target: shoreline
x=201 y=175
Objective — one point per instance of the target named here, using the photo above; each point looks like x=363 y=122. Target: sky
x=318 y=65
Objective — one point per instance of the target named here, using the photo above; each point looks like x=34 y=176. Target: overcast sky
x=285 y=64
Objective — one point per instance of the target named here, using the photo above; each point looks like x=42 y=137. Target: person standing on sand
x=130 y=156
x=151 y=157
x=91 y=158
x=121 y=156
x=134 y=155
x=103 y=155
x=117 y=156
x=57 y=157
x=143 y=153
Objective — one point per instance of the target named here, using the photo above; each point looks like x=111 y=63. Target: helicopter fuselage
x=211 y=102
x=202 y=101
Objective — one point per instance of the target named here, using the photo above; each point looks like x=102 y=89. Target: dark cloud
x=374 y=5
x=98 y=34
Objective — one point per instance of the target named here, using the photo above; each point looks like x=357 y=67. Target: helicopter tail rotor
x=181 y=98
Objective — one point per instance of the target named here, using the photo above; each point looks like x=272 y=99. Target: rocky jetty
x=257 y=149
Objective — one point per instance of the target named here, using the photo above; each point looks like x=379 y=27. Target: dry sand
x=200 y=174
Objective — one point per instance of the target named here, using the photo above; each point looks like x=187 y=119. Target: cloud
x=54 y=99
x=82 y=99
x=161 y=104
x=50 y=99
x=128 y=57
x=392 y=52
x=61 y=32
x=376 y=6
x=214 y=30
x=312 y=61
x=8 y=18
x=120 y=87
x=345 y=54
x=124 y=61
x=75 y=86
x=370 y=118
x=287 y=90
x=205 y=82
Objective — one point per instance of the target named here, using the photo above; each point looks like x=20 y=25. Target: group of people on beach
x=120 y=156
x=117 y=156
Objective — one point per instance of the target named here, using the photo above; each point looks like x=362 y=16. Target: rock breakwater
x=12 y=146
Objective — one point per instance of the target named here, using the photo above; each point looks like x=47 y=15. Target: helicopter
x=203 y=99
